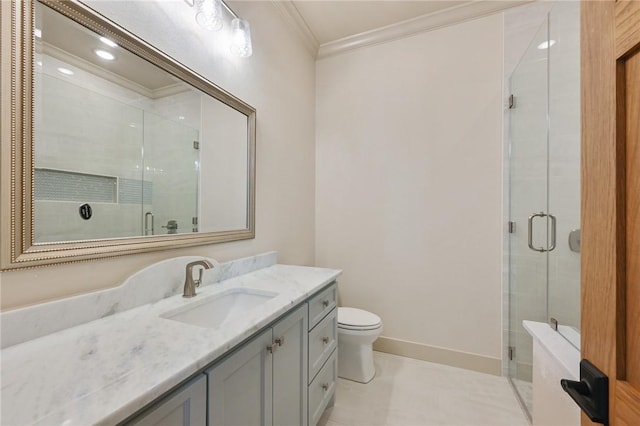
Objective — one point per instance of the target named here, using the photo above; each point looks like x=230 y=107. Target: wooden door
x=290 y=369
x=610 y=51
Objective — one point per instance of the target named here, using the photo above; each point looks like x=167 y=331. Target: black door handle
x=591 y=393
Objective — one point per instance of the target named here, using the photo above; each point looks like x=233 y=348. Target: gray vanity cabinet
x=290 y=362
x=285 y=375
x=263 y=382
x=323 y=342
x=186 y=406
x=240 y=386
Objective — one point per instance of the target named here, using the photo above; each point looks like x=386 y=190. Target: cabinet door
x=290 y=369
x=187 y=406
x=240 y=386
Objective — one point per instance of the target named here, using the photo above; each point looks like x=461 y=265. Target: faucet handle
x=199 y=280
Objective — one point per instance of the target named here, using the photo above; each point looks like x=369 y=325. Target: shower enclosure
x=544 y=190
x=133 y=165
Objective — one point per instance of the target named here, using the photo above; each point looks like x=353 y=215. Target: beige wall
x=278 y=80
x=408 y=184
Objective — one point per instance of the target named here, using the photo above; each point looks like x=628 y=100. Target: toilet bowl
x=357 y=330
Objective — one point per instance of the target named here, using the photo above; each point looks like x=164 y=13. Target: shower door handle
x=553 y=232
x=530 y=234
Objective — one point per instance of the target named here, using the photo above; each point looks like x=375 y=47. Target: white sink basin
x=220 y=309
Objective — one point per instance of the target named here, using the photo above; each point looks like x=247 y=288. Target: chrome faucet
x=189 y=283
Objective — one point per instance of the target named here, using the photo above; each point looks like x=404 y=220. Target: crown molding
x=453 y=15
x=297 y=23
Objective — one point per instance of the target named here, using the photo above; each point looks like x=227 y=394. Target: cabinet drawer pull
x=272 y=348
x=325 y=303
x=325 y=387
x=280 y=341
x=325 y=340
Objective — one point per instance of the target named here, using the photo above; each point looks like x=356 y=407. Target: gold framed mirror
x=111 y=147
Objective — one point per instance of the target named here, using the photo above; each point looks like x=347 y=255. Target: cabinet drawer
x=323 y=339
x=321 y=304
x=322 y=389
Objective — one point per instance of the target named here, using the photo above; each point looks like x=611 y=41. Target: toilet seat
x=357 y=319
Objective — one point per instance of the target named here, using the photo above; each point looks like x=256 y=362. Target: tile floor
x=409 y=392
x=525 y=389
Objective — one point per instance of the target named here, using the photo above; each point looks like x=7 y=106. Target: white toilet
x=357 y=330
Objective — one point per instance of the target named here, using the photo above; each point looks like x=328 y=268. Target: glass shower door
x=564 y=168
x=528 y=189
x=171 y=175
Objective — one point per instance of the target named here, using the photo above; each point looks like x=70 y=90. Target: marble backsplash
x=155 y=282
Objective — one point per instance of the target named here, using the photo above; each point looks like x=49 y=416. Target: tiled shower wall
x=97 y=133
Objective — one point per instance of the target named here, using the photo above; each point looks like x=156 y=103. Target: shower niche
x=543 y=181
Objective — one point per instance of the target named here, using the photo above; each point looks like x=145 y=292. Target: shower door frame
x=531 y=254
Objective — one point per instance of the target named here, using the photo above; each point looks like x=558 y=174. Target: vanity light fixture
x=209 y=15
x=241 y=38
x=108 y=42
x=546 y=44
x=65 y=71
x=104 y=54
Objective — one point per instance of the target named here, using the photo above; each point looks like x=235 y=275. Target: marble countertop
x=103 y=371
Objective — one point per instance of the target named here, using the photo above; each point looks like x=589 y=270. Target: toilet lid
x=357 y=318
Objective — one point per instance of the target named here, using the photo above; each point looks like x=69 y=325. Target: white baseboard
x=469 y=361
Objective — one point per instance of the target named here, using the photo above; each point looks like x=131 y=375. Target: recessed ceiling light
x=65 y=71
x=37 y=32
x=546 y=44
x=104 y=54
x=181 y=117
x=108 y=42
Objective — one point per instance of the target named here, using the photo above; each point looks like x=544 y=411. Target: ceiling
x=333 y=19
x=328 y=27
x=70 y=42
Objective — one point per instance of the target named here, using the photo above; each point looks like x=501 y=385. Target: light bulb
x=209 y=14
x=241 y=38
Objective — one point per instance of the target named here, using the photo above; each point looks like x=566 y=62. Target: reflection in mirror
x=110 y=146
x=122 y=148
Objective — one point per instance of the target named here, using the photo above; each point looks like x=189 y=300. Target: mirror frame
x=17 y=143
